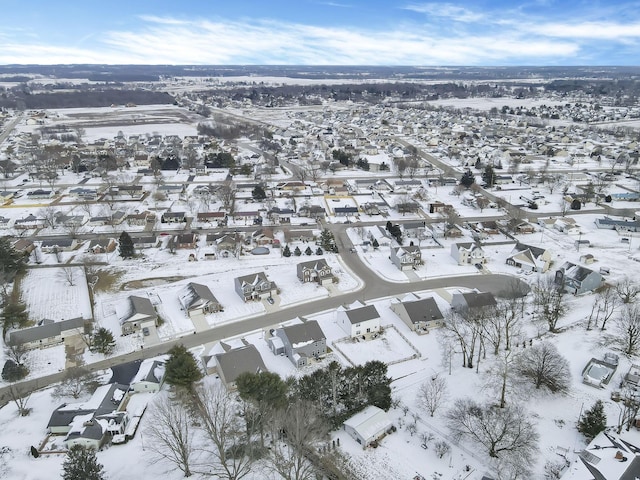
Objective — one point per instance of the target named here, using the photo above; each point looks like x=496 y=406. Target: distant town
x=331 y=273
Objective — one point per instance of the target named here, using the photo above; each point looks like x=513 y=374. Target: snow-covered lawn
x=388 y=347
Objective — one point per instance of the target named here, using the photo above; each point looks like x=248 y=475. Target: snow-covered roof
x=369 y=422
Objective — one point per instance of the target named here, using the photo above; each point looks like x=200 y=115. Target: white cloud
x=167 y=40
x=447 y=10
x=590 y=30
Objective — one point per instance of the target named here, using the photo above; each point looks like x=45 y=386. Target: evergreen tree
x=286 y=251
x=593 y=421
x=258 y=193
x=11 y=261
x=14 y=315
x=467 y=179
x=181 y=370
x=375 y=243
x=319 y=251
x=13 y=372
x=81 y=464
x=308 y=251
x=126 y=245
x=103 y=341
x=489 y=176
x=297 y=252
x=327 y=241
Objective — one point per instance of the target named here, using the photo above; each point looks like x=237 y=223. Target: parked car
x=145 y=331
x=270 y=300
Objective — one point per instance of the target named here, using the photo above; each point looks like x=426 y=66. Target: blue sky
x=321 y=32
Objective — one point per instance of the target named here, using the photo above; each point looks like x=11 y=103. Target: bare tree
x=172 y=434
x=49 y=214
x=433 y=393
x=76 y=381
x=545 y=367
x=607 y=301
x=69 y=275
x=503 y=432
x=20 y=399
x=16 y=352
x=627 y=290
x=464 y=332
x=442 y=448
x=549 y=300
x=226 y=194
x=502 y=371
x=298 y=431
x=628 y=326
x=227 y=448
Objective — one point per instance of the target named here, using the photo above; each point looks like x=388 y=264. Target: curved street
x=371 y=287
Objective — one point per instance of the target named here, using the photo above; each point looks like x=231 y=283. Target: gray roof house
x=91 y=423
x=255 y=286
x=361 y=321
x=577 y=279
x=47 y=333
x=197 y=299
x=315 y=271
x=140 y=314
x=419 y=314
x=530 y=258
x=406 y=258
x=232 y=363
x=471 y=302
x=300 y=342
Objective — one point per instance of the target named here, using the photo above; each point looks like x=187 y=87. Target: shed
x=369 y=425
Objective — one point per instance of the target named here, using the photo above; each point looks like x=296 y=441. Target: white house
x=359 y=321
x=468 y=253
x=149 y=377
x=368 y=426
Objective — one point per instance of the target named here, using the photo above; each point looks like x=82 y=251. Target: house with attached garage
x=472 y=303
x=368 y=426
x=102 y=245
x=59 y=245
x=530 y=258
x=233 y=362
x=577 y=279
x=359 y=320
x=406 y=258
x=94 y=422
x=317 y=271
x=47 y=333
x=149 y=377
x=255 y=286
x=468 y=254
x=419 y=314
x=139 y=313
x=301 y=342
x=198 y=299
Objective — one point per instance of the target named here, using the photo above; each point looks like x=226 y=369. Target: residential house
x=471 y=303
x=315 y=271
x=358 y=320
x=255 y=286
x=29 y=222
x=530 y=258
x=94 y=422
x=234 y=362
x=419 y=314
x=312 y=211
x=23 y=245
x=291 y=236
x=406 y=258
x=301 y=343
x=185 y=240
x=414 y=229
x=577 y=279
x=140 y=219
x=102 y=245
x=280 y=215
x=149 y=377
x=345 y=211
x=197 y=299
x=468 y=253
x=139 y=314
x=618 y=225
x=173 y=217
x=368 y=426
x=607 y=457
x=47 y=333
x=211 y=218
x=39 y=194
x=145 y=241
x=58 y=245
